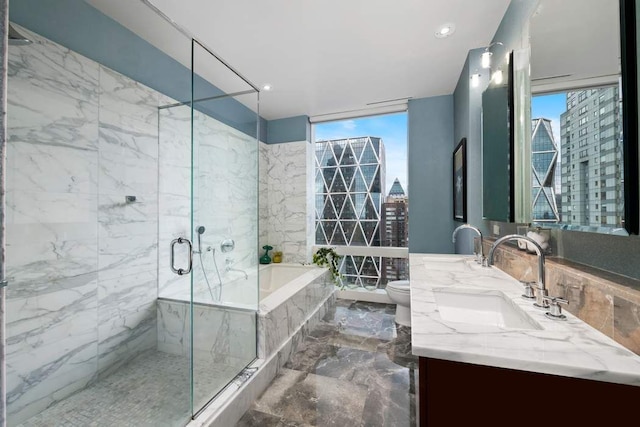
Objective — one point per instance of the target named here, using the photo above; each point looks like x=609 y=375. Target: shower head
x=200 y=229
x=17 y=39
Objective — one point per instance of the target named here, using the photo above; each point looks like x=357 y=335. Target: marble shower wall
x=284 y=217
x=82 y=263
x=227 y=210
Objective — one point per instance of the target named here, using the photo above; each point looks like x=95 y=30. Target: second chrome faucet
x=480 y=258
x=541 y=294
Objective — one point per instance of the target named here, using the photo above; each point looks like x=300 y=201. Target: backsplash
x=608 y=302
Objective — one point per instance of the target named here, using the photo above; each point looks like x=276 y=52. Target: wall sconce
x=475 y=80
x=497 y=77
x=485 y=58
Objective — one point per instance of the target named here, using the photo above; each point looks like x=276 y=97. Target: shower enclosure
x=131 y=204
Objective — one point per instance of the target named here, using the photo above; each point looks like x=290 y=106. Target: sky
x=550 y=107
x=392 y=128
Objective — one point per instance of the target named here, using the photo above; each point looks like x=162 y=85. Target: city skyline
x=391 y=128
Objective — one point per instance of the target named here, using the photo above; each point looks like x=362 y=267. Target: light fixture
x=445 y=31
x=485 y=59
x=497 y=77
x=267 y=87
x=475 y=80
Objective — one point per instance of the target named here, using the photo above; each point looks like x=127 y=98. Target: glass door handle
x=179 y=241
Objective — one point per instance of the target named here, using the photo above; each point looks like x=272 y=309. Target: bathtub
x=289 y=295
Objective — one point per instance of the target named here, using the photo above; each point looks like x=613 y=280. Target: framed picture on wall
x=460 y=181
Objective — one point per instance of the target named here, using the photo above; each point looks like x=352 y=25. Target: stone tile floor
x=354 y=369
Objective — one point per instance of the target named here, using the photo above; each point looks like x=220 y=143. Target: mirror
x=497 y=148
x=583 y=151
x=583 y=80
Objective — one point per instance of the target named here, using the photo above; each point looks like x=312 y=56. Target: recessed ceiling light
x=445 y=31
x=267 y=87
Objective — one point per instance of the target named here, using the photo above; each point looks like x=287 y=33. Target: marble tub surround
x=569 y=348
x=354 y=368
x=235 y=399
x=608 y=302
x=282 y=313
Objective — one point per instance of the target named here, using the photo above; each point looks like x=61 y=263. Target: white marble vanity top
x=569 y=348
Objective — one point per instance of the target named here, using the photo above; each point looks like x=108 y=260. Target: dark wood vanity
x=463 y=394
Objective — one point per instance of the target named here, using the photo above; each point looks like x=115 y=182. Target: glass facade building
x=592 y=158
x=395 y=220
x=544 y=156
x=349 y=185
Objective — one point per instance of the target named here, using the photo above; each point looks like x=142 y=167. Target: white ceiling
x=575 y=43
x=325 y=56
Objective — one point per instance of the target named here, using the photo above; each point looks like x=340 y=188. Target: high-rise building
x=544 y=156
x=591 y=158
x=395 y=219
x=349 y=182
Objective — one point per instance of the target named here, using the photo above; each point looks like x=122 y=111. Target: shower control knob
x=227 y=245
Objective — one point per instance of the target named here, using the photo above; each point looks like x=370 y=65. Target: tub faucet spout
x=480 y=258
x=228 y=263
x=541 y=301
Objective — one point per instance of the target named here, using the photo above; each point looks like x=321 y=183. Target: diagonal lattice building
x=544 y=156
x=349 y=184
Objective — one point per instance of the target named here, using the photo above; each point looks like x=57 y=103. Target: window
x=360 y=198
x=583 y=142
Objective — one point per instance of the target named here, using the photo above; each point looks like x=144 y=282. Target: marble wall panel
x=627 y=323
x=126 y=319
x=52 y=94
x=263 y=195
x=220 y=335
x=51 y=345
x=224 y=198
x=82 y=262
x=287 y=189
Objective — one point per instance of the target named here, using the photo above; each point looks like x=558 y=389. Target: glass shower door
x=224 y=224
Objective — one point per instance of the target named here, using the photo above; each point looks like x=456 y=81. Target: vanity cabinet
x=463 y=394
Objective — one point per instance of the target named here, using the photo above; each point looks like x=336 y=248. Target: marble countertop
x=569 y=348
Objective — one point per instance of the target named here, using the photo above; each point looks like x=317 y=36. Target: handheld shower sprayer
x=200 y=230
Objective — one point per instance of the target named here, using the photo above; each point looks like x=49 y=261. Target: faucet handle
x=528 y=290
x=555 y=311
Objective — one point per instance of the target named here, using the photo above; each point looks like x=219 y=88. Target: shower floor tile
x=354 y=369
x=151 y=390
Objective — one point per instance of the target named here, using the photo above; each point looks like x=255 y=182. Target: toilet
x=398 y=291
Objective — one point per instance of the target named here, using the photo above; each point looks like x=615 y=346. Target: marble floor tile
x=354 y=369
x=314 y=399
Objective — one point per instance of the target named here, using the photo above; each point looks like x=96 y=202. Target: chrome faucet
x=541 y=294
x=228 y=263
x=480 y=259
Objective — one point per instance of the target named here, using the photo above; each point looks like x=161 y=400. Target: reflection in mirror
x=577 y=139
x=577 y=159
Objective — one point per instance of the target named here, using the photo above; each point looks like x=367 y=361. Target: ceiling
x=574 y=43
x=325 y=56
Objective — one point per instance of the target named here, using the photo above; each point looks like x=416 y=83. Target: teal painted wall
x=430 y=150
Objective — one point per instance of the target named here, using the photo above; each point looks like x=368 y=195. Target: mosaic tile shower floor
x=354 y=369
x=152 y=390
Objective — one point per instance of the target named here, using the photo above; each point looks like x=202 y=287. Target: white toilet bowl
x=398 y=291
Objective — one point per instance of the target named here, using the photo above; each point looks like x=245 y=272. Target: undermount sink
x=481 y=307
